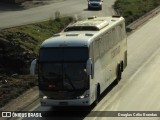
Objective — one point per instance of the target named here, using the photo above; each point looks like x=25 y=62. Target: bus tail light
x=51 y=86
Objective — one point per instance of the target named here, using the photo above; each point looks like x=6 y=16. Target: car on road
x=95 y=4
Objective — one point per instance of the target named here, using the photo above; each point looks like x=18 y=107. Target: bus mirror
x=89 y=67
x=33 y=67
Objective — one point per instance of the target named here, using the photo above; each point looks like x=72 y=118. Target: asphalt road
x=140 y=85
x=76 y=8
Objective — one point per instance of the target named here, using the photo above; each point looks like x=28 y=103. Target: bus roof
x=82 y=33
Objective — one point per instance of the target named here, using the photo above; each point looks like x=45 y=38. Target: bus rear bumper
x=72 y=102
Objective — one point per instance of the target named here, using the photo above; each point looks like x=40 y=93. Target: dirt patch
x=13 y=86
x=22 y=101
x=36 y=3
x=26 y=4
x=15 y=57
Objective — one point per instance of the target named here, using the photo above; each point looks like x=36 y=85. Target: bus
x=76 y=65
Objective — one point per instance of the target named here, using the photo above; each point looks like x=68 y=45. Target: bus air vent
x=95 y=24
x=88 y=34
x=92 y=17
x=71 y=34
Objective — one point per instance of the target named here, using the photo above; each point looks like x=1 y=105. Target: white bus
x=78 y=64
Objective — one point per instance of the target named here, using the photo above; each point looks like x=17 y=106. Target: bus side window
x=91 y=51
x=123 y=30
x=117 y=35
x=96 y=47
x=107 y=41
x=110 y=39
x=115 y=40
x=101 y=46
x=119 y=32
x=104 y=44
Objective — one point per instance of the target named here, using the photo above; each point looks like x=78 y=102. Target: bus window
x=110 y=39
x=96 y=48
x=114 y=36
x=119 y=32
x=101 y=47
x=106 y=41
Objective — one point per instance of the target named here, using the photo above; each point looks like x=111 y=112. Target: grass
x=20 y=45
x=31 y=36
x=133 y=9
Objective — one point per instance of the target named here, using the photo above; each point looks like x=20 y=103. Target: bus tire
x=97 y=95
x=122 y=66
x=119 y=73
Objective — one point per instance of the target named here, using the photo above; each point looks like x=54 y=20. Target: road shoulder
x=22 y=101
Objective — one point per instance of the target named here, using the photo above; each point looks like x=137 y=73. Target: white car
x=95 y=4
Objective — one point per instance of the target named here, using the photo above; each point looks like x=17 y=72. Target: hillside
x=18 y=47
x=131 y=10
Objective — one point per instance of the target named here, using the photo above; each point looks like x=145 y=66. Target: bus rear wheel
x=119 y=73
x=98 y=95
x=122 y=68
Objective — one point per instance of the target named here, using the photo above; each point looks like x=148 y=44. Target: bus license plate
x=63 y=103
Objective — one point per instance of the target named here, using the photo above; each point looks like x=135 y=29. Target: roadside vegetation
x=131 y=10
x=18 y=47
